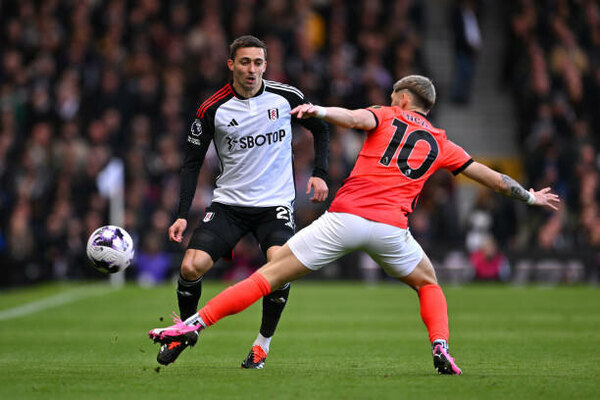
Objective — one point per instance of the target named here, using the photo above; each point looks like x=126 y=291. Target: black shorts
x=224 y=225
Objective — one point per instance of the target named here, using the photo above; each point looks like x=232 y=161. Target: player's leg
x=285 y=267
x=273 y=305
x=402 y=257
x=214 y=238
x=189 y=289
x=312 y=248
x=434 y=312
x=189 y=285
x=321 y=243
x=272 y=229
x=431 y=297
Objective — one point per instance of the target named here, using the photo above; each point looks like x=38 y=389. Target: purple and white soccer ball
x=110 y=249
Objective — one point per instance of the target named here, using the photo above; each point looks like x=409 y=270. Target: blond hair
x=420 y=87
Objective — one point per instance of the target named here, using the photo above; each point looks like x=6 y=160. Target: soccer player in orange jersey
x=369 y=212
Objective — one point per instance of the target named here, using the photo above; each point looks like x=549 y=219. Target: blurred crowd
x=553 y=70
x=83 y=82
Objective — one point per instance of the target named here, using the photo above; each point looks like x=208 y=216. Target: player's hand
x=545 y=198
x=320 y=189
x=176 y=230
x=304 y=111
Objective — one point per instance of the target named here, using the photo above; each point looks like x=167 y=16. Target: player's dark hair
x=246 y=41
x=421 y=88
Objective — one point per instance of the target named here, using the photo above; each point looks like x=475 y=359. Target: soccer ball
x=110 y=249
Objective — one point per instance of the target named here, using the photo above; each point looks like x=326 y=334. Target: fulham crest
x=273 y=114
x=209 y=216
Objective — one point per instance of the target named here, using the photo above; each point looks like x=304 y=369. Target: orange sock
x=434 y=312
x=235 y=298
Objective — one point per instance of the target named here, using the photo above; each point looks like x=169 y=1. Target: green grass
x=335 y=341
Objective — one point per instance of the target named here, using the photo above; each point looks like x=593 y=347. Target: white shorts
x=335 y=234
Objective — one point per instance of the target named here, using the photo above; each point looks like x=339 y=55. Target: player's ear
x=406 y=99
x=230 y=64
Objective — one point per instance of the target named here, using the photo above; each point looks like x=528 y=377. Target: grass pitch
x=335 y=341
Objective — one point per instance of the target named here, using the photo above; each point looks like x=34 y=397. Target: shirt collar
x=239 y=96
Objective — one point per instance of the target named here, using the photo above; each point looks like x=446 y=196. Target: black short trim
x=376 y=120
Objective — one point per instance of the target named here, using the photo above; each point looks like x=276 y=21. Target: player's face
x=248 y=68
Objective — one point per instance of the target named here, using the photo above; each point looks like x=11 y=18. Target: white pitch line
x=54 y=301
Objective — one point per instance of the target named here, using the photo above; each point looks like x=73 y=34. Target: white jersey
x=253 y=140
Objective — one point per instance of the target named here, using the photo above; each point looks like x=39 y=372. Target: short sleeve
x=456 y=159
x=379 y=113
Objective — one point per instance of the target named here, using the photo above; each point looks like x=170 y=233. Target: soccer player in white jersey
x=249 y=122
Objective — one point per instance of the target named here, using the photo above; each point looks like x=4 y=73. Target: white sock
x=263 y=342
x=195 y=320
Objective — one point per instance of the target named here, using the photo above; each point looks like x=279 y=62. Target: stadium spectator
x=467 y=43
x=489 y=262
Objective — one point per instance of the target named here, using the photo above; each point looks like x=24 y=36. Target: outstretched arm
x=355 y=119
x=509 y=187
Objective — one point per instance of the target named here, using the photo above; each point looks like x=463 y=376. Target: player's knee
x=422 y=275
x=424 y=281
x=195 y=265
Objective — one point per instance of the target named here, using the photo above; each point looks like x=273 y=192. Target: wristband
x=531 y=199
x=321 y=112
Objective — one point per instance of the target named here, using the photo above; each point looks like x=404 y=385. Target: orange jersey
x=398 y=156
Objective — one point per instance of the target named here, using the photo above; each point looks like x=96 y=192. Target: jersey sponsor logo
x=231 y=142
x=209 y=216
x=273 y=114
x=233 y=122
x=249 y=142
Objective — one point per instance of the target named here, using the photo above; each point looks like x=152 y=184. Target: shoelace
x=178 y=322
x=176 y=318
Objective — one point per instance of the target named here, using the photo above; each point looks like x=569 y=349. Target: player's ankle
x=441 y=342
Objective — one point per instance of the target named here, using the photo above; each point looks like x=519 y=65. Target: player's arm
x=197 y=143
x=355 y=119
x=509 y=187
x=318 y=181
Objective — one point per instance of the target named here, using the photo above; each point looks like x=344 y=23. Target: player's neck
x=416 y=109
x=239 y=90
